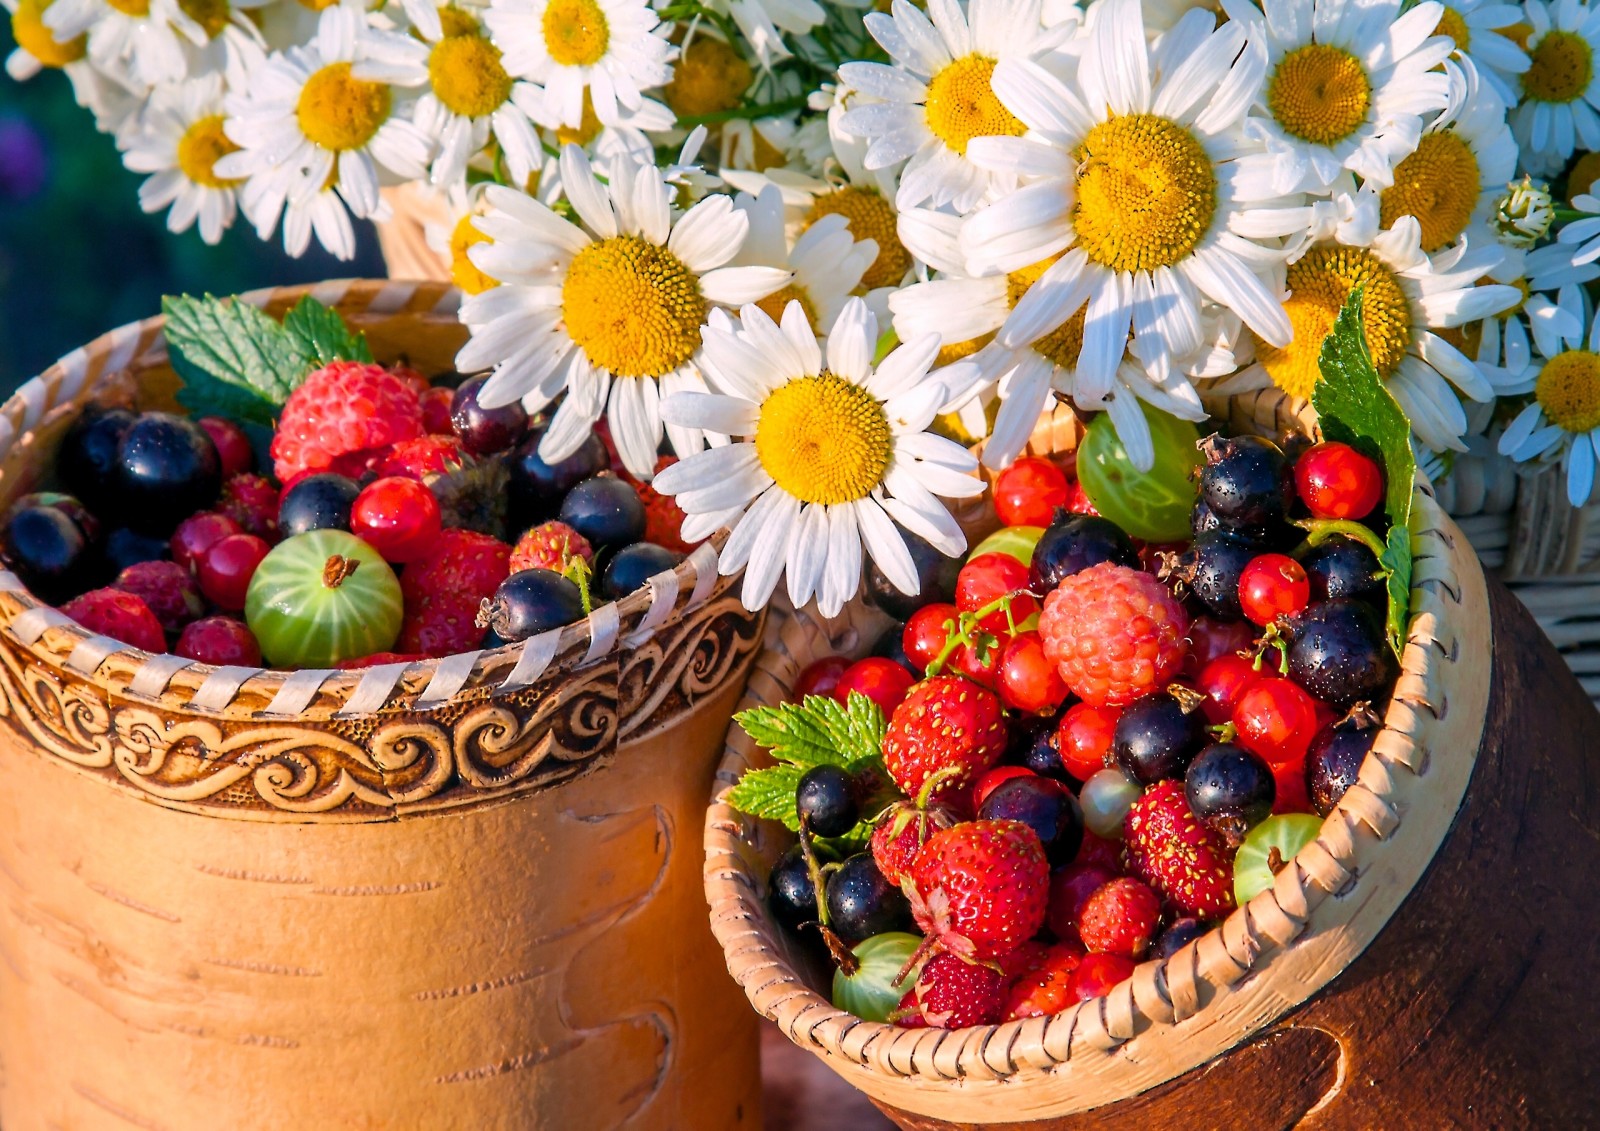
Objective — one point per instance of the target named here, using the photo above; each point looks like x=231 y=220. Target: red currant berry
x=197 y=534
x=1084 y=737
x=1028 y=680
x=1028 y=492
x=227 y=567
x=233 y=446
x=1336 y=481
x=1273 y=586
x=1223 y=682
x=1292 y=794
x=986 y=784
x=1210 y=638
x=397 y=517
x=1078 y=500
x=987 y=578
x=820 y=678
x=926 y=633
x=984 y=670
x=1276 y=719
x=883 y=681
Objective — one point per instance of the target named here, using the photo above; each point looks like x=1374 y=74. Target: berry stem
x=842 y=957
x=818 y=880
x=578 y=572
x=1319 y=530
x=964 y=630
x=336 y=569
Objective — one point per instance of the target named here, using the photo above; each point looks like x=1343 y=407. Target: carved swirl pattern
x=478 y=747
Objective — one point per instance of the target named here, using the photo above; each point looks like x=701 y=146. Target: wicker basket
x=441 y=894
x=1165 y=1034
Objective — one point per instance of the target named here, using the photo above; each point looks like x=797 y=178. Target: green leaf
x=233 y=358
x=768 y=794
x=319 y=333
x=1356 y=408
x=818 y=732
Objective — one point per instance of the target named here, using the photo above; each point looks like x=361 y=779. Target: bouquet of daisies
x=813 y=244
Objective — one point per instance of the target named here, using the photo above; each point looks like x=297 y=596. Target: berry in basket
x=1087 y=750
x=372 y=536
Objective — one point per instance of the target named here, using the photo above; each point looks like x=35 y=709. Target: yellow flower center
x=29 y=30
x=1319 y=283
x=871 y=218
x=764 y=155
x=457 y=21
x=317 y=5
x=1561 y=65
x=1518 y=33
x=587 y=129
x=633 y=307
x=463 y=272
x=1439 y=185
x=962 y=105
x=708 y=78
x=138 y=9
x=1585 y=171
x=955 y=351
x=1063 y=344
x=1319 y=93
x=211 y=15
x=774 y=303
x=824 y=439
x=467 y=75
x=339 y=112
x=199 y=149
x=1146 y=193
x=1453 y=24
x=576 y=32
x=1568 y=389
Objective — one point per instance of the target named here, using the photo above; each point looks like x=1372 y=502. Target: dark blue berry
x=485 y=431
x=45 y=548
x=1343 y=567
x=167 y=468
x=124 y=547
x=936 y=579
x=1211 y=568
x=1178 y=935
x=1230 y=790
x=826 y=800
x=1045 y=806
x=632 y=566
x=532 y=601
x=1039 y=749
x=317 y=502
x=1074 y=542
x=892 y=646
x=791 y=895
x=536 y=487
x=1156 y=737
x=87 y=459
x=1340 y=653
x=1246 y=482
x=863 y=903
x=605 y=510
x=67 y=505
x=1333 y=763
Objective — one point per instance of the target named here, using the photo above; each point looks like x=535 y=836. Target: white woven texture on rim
x=77 y=376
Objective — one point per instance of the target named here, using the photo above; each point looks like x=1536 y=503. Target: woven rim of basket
x=916 y=1068
x=56 y=640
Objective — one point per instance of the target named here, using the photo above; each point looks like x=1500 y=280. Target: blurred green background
x=78 y=257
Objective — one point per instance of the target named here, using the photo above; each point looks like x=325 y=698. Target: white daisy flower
x=324 y=121
x=1560 y=90
x=1562 y=422
x=1347 y=85
x=604 y=311
x=1478 y=29
x=1503 y=344
x=38 y=49
x=1583 y=233
x=180 y=144
x=147 y=43
x=937 y=96
x=763 y=23
x=471 y=100
x=453 y=238
x=1138 y=212
x=1413 y=304
x=828 y=454
x=827 y=262
x=610 y=49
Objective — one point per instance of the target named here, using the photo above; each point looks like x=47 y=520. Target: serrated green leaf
x=819 y=732
x=205 y=395
x=321 y=334
x=232 y=356
x=1356 y=408
x=769 y=794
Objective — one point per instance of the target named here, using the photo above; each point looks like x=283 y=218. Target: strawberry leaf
x=322 y=335
x=819 y=732
x=768 y=794
x=233 y=358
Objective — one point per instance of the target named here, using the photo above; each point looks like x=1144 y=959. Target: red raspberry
x=166 y=588
x=219 y=640
x=119 y=615
x=550 y=545
x=663 y=518
x=252 y=502
x=1120 y=917
x=424 y=456
x=1175 y=854
x=979 y=890
x=436 y=404
x=1097 y=975
x=341 y=418
x=1045 y=989
x=946 y=724
x=233 y=446
x=443 y=591
x=954 y=994
x=1114 y=632
x=901 y=833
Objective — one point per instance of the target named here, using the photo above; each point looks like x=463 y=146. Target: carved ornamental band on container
x=440 y=894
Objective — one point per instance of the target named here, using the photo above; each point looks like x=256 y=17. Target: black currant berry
x=1230 y=790
x=1156 y=737
x=123 y=548
x=485 y=431
x=1211 y=568
x=87 y=459
x=167 y=468
x=537 y=487
x=634 y=565
x=863 y=903
x=1340 y=654
x=45 y=548
x=1343 y=567
x=791 y=896
x=1039 y=749
x=317 y=502
x=1045 y=806
x=67 y=505
x=826 y=800
x=1074 y=542
x=936 y=579
x=1246 y=482
x=892 y=645
x=1333 y=763
x=605 y=510
x=529 y=602
x=1178 y=935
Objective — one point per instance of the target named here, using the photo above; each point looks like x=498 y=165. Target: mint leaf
x=233 y=358
x=319 y=333
x=1356 y=408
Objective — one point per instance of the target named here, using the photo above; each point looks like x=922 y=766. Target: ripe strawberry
x=252 y=502
x=443 y=591
x=423 y=456
x=954 y=994
x=1120 y=917
x=550 y=545
x=1097 y=975
x=946 y=724
x=119 y=615
x=1070 y=889
x=166 y=588
x=908 y=1014
x=1023 y=961
x=1114 y=633
x=901 y=833
x=219 y=640
x=979 y=890
x=1045 y=989
x=1175 y=854
x=342 y=418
